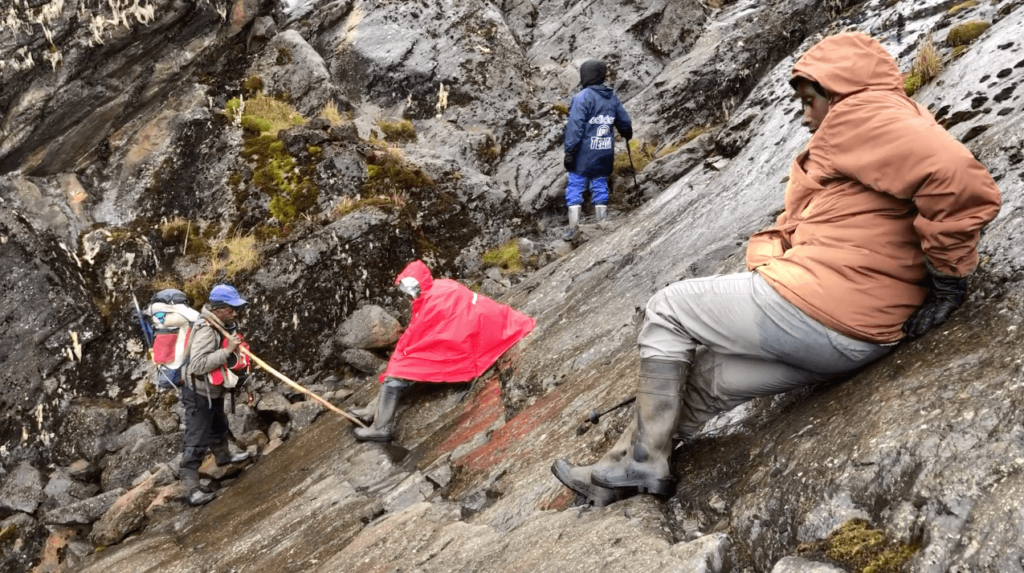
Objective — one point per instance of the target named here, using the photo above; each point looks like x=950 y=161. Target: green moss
x=506 y=256
x=911 y=83
x=642 y=153
x=398 y=130
x=859 y=548
x=393 y=175
x=278 y=175
x=962 y=6
x=256 y=124
x=8 y=533
x=560 y=109
x=314 y=149
x=231 y=108
x=966 y=33
x=958 y=51
x=252 y=85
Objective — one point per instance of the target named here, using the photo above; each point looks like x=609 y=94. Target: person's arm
x=767 y=244
x=622 y=122
x=575 y=125
x=205 y=356
x=912 y=157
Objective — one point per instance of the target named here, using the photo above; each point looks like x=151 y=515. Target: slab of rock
x=244 y=420
x=410 y=491
x=302 y=414
x=277 y=431
x=273 y=445
x=166 y=422
x=127 y=513
x=363 y=360
x=123 y=467
x=801 y=565
x=274 y=404
x=83 y=470
x=367 y=328
x=492 y=289
x=82 y=512
x=23 y=489
x=253 y=438
x=94 y=422
x=289 y=65
x=169 y=501
x=210 y=469
x=131 y=436
x=62 y=489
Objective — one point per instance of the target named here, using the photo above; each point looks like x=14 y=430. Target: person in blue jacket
x=589 y=148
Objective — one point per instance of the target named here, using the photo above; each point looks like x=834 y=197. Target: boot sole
x=588 y=491
x=664 y=487
x=373 y=438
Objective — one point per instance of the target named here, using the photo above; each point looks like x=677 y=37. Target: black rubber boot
x=366 y=413
x=645 y=467
x=383 y=427
x=223 y=456
x=577 y=478
x=194 y=495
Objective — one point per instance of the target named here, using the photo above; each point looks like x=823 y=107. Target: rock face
x=106 y=150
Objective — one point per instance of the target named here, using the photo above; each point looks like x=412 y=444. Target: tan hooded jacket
x=879 y=187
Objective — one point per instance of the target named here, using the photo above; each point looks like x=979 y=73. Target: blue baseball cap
x=226 y=295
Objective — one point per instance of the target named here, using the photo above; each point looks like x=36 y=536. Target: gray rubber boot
x=601 y=213
x=223 y=456
x=366 y=413
x=577 y=478
x=383 y=427
x=193 y=494
x=574 y=222
x=645 y=467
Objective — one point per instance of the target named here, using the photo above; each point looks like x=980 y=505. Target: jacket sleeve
x=622 y=122
x=767 y=244
x=575 y=125
x=904 y=153
x=204 y=355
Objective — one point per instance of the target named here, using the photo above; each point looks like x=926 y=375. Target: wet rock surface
x=102 y=149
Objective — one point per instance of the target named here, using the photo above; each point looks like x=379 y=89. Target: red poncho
x=454 y=334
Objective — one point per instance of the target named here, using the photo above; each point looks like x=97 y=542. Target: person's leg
x=599 y=195
x=383 y=427
x=219 y=437
x=195 y=442
x=574 y=200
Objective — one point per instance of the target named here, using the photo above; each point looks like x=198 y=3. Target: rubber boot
x=193 y=494
x=601 y=213
x=645 y=467
x=574 y=222
x=578 y=478
x=223 y=456
x=383 y=427
x=366 y=413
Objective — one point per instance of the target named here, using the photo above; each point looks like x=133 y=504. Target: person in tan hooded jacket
x=883 y=213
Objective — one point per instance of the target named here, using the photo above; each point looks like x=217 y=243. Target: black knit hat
x=592 y=73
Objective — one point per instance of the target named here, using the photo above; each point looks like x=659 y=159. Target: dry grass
x=393 y=200
x=330 y=113
x=926 y=66
x=277 y=113
x=228 y=258
x=402 y=130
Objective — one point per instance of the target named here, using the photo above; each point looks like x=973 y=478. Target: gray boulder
x=82 y=512
x=369 y=327
x=23 y=489
x=131 y=436
x=126 y=465
x=94 y=422
x=129 y=511
x=244 y=420
x=302 y=414
x=289 y=65
x=801 y=565
x=274 y=404
x=62 y=489
x=363 y=360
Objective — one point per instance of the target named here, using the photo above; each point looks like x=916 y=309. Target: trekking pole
x=595 y=417
x=629 y=152
x=215 y=323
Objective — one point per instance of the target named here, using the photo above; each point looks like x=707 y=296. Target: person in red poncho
x=454 y=335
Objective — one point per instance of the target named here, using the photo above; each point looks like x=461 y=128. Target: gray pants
x=743 y=341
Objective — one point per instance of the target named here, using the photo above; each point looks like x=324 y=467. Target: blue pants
x=578 y=183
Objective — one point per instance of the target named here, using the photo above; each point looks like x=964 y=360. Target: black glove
x=627 y=134
x=946 y=295
x=570 y=161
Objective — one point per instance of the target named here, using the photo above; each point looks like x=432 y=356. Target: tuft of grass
x=393 y=200
x=174 y=229
x=278 y=113
x=252 y=85
x=233 y=109
x=256 y=124
x=330 y=113
x=389 y=172
x=402 y=130
x=860 y=548
x=642 y=153
x=966 y=33
x=560 y=108
x=507 y=257
x=227 y=259
x=242 y=256
x=926 y=66
x=961 y=7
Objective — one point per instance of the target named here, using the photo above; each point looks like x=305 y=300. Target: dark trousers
x=206 y=426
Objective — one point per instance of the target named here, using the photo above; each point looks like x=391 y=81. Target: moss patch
x=277 y=174
x=279 y=113
x=252 y=85
x=642 y=153
x=961 y=7
x=561 y=109
x=966 y=33
x=507 y=257
x=857 y=547
x=398 y=130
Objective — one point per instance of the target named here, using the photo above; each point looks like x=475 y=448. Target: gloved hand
x=946 y=295
x=570 y=161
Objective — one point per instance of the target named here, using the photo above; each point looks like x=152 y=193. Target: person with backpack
x=589 y=145
x=883 y=213
x=214 y=366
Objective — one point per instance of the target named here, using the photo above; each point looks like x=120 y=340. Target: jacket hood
x=418 y=271
x=849 y=63
x=603 y=91
x=592 y=72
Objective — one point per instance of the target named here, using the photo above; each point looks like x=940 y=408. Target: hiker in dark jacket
x=215 y=365
x=589 y=147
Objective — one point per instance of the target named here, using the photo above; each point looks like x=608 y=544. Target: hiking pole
x=636 y=186
x=220 y=328
x=594 y=417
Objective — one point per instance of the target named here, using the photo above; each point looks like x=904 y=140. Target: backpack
x=171 y=320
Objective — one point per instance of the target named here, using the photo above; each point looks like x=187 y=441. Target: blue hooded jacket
x=588 y=133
